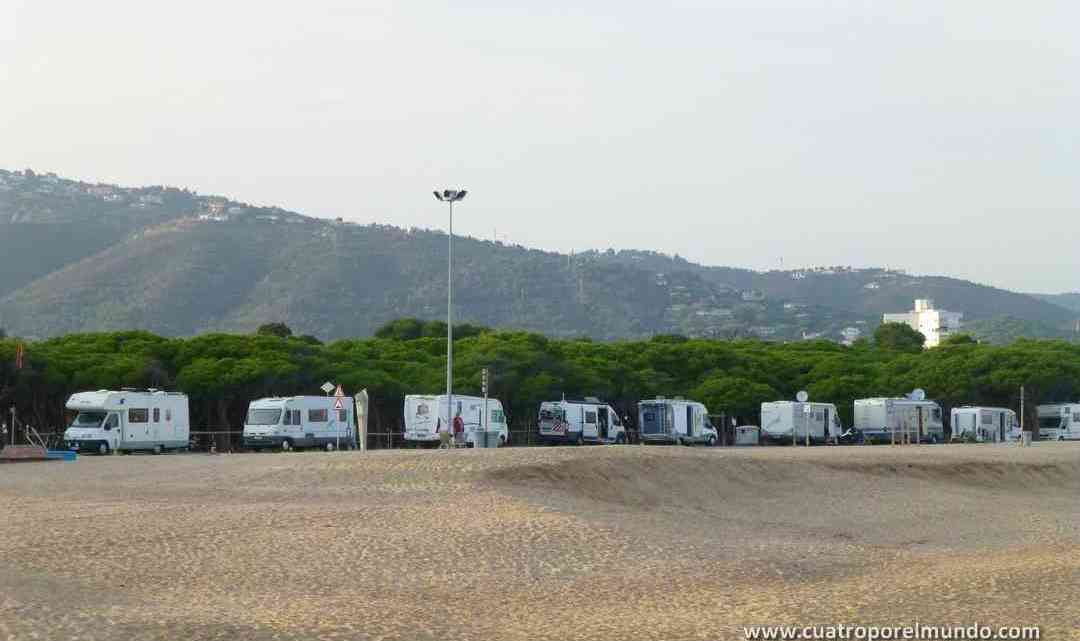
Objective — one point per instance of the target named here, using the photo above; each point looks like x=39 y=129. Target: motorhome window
x=819 y=416
x=615 y=419
x=88 y=419
x=138 y=415
x=590 y=418
x=288 y=418
x=295 y=416
x=263 y=417
x=342 y=417
x=317 y=416
x=986 y=418
x=157 y=415
x=1076 y=418
x=168 y=414
x=113 y=422
x=497 y=416
x=422 y=409
x=936 y=413
x=550 y=415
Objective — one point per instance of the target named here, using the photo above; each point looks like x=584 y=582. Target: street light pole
x=450 y=196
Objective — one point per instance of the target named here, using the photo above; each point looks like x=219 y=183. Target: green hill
x=81 y=257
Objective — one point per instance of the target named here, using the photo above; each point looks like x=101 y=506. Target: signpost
x=361 y=418
x=339 y=404
x=802 y=397
x=484 y=387
x=327 y=387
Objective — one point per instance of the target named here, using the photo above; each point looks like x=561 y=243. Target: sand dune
x=543 y=543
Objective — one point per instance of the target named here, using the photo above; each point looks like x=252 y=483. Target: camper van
x=783 y=420
x=880 y=419
x=984 y=424
x=300 y=421
x=674 y=421
x=128 y=420
x=1070 y=423
x=578 y=422
x=1051 y=418
x=425 y=417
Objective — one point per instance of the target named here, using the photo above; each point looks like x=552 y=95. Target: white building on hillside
x=935 y=324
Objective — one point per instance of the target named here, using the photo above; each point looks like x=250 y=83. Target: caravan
x=882 y=419
x=580 y=421
x=1070 y=423
x=300 y=421
x=425 y=417
x=674 y=421
x=1050 y=421
x=784 y=421
x=984 y=424
x=127 y=421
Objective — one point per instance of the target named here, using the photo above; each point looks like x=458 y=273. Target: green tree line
x=221 y=373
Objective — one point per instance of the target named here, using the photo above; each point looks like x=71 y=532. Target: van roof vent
x=591 y=399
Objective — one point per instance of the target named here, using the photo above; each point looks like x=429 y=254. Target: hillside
x=76 y=256
x=1070 y=301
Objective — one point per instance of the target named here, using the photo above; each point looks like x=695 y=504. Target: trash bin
x=1025 y=439
x=486 y=439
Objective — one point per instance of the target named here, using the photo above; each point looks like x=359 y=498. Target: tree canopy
x=221 y=373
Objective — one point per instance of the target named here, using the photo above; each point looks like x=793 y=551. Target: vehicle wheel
x=580 y=440
x=712 y=441
x=286 y=445
x=620 y=439
x=329 y=447
x=502 y=441
x=157 y=449
x=102 y=448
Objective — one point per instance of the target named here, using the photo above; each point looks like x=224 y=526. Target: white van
x=880 y=419
x=128 y=420
x=300 y=421
x=425 y=417
x=1050 y=419
x=674 y=421
x=984 y=424
x=580 y=421
x=1070 y=423
x=782 y=419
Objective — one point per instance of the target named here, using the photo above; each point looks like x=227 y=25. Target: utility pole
x=450 y=196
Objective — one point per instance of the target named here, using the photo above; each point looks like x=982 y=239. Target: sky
x=936 y=136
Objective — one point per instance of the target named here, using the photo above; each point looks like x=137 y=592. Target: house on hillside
x=935 y=324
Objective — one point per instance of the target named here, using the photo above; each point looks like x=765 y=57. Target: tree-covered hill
x=76 y=256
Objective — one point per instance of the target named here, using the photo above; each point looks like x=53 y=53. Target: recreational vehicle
x=1050 y=420
x=300 y=421
x=128 y=420
x=580 y=421
x=674 y=421
x=784 y=421
x=984 y=424
x=1070 y=423
x=425 y=417
x=882 y=419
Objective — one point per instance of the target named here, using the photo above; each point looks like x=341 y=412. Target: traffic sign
x=338 y=404
x=340 y=393
x=327 y=387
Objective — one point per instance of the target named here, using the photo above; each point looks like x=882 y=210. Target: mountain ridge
x=77 y=256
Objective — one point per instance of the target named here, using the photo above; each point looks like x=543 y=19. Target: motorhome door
x=825 y=425
x=602 y=422
x=690 y=420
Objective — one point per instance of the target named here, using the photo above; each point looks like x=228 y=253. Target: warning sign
x=338 y=404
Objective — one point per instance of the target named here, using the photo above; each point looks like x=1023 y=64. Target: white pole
x=450 y=326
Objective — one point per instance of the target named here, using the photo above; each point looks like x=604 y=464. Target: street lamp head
x=451 y=195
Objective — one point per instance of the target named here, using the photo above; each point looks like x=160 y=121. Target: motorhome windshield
x=89 y=419
x=553 y=414
x=263 y=417
x=1050 y=422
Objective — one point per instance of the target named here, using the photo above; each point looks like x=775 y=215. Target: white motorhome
x=780 y=420
x=676 y=421
x=425 y=417
x=882 y=419
x=300 y=421
x=128 y=420
x=984 y=424
x=1050 y=421
x=580 y=421
x=1070 y=423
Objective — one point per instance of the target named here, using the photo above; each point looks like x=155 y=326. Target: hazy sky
x=939 y=136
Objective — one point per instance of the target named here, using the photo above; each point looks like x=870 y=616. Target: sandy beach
x=604 y=543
